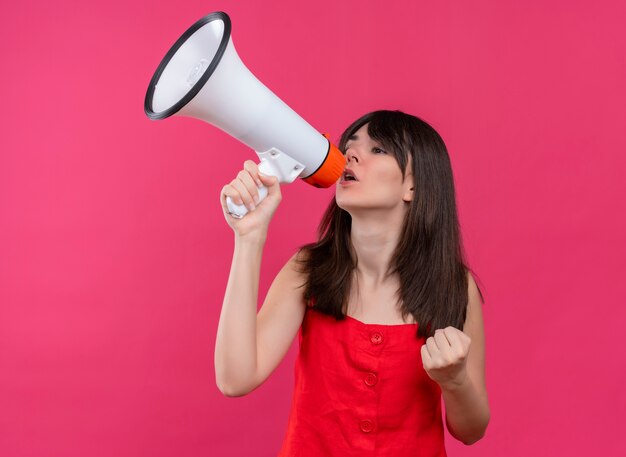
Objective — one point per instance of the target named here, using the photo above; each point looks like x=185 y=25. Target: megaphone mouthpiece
x=331 y=168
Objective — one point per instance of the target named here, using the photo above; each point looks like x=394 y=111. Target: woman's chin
x=347 y=205
x=342 y=203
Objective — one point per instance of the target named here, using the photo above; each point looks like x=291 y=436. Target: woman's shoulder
x=473 y=289
x=298 y=262
x=293 y=274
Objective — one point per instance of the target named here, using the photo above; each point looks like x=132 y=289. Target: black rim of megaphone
x=218 y=15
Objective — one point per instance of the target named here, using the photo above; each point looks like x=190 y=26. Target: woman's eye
x=379 y=151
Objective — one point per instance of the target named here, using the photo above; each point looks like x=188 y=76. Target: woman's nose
x=351 y=155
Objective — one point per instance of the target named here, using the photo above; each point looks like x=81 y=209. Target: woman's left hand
x=444 y=356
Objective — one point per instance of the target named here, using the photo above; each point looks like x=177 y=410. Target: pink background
x=114 y=254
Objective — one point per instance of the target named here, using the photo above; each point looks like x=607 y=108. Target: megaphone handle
x=239 y=211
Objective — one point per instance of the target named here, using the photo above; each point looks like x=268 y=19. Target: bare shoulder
x=280 y=317
x=473 y=319
x=474 y=328
x=286 y=294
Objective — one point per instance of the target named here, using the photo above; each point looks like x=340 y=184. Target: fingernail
x=252 y=207
x=259 y=183
x=256 y=199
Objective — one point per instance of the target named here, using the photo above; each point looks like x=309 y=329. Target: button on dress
x=361 y=390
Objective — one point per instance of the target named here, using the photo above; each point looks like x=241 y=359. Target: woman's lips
x=348 y=172
x=349 y=182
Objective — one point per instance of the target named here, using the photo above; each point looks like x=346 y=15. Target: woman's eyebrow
x=353 y=137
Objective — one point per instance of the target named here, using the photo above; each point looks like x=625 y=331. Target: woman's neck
x=374 y=241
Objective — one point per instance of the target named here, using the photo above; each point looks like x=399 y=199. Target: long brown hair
x=429 y=258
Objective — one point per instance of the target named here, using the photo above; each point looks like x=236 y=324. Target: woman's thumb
x=268 y=180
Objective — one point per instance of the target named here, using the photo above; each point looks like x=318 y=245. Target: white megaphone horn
x=202 y=76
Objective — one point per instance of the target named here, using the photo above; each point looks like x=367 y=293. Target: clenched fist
x=444 y=356
x=244 y=189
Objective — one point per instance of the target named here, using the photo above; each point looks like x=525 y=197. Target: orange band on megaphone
x=331 y=169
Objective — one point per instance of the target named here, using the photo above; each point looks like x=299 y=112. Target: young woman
x=388 y=315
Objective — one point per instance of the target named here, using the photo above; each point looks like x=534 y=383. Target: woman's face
x=379 y=183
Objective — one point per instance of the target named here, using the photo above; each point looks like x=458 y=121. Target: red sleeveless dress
x=361 y=390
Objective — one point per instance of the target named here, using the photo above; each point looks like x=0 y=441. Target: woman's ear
x=408 y=195
x=408 y=180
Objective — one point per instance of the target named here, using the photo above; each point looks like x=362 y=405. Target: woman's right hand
x=243 y=189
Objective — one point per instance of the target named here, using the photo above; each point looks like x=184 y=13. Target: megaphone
x=201 y=76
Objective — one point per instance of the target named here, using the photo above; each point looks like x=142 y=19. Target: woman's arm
x=250 y=345
x=467 y=405
x=456 y=361
x=235 y=345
